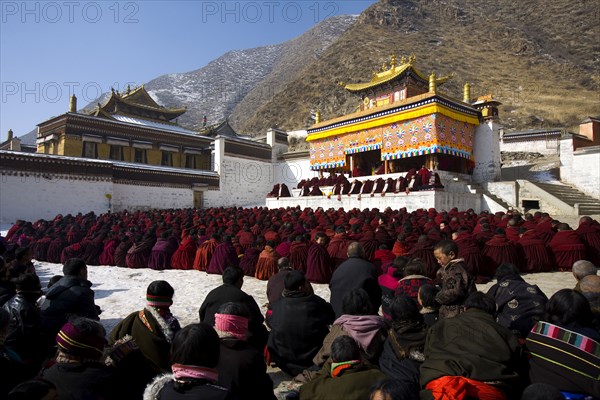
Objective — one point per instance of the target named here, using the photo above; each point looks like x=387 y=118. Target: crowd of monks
x=316 y=241
x=413 y=180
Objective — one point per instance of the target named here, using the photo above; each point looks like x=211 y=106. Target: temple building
x=403 y=122
x=129 y=127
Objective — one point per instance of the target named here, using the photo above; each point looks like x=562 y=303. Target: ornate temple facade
x=403 y=122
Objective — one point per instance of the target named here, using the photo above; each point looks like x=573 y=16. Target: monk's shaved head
x=355 y=249
x=583 y=268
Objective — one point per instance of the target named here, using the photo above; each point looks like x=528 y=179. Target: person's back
x=299 y=323
x=473 y=346
x=354 y=273
x=231 y=291
x=70 y=296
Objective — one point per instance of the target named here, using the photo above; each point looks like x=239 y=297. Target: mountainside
x=544 y=73
x=249 y=77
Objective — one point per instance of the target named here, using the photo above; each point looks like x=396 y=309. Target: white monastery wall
x=581 y=168
x=542 y=146
x=34 y=197
x=135 y=197
x=486 y=151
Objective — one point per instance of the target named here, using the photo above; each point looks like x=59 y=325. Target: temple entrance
x=198 y=199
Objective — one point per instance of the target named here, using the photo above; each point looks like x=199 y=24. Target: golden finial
x=467 y=93
x=432 y=82
x=403 y=60
x=374 y=75
x=384 y=67
x=393 y=61
x=317 y=117
x=412 y=59
x=342 y=84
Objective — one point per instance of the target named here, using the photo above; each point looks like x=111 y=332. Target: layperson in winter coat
x=194 y=358
x=346 y=377
x=403 y=351
x=299 y=324
x=79 y=372
x=520 y=305
x=231 y=291
x=457 y=284
x=356 y=272
x=70 y=296
x=242 y=368
x=153 y=327
x=470 y=351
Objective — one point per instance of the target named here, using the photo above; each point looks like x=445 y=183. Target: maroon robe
x=121 y=253
x=246 y=239
x=249 y=260
x=139 y=254
x=382 y=257
x=567 y=248
x=204 y=254
x=266 y=266
x=369 y=244
x=589 y=233
x=536 y=256
x=545 y=231
x=223 y=257
x=471 y=254
x=183 y=258
x=40 y=248
x=338 y=248
x=284 y=248
x=319 y=266
x=424 y=251
x=107 y=257
x=298 y=256
x=500 y=250
x=55 y=250
x=162 y=253
x=71 y=251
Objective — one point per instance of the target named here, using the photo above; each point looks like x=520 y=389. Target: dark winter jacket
x=352 y=274
x=161 y=388
x=87 y=381
x=70 y=296
x=24 y=334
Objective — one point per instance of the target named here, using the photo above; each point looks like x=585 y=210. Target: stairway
x=476 y=188
x=588 y=205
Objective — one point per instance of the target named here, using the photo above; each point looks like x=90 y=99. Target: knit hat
x=160 y=294
x=83 y=344
x=235 y=325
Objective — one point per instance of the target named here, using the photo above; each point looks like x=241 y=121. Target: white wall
x=486 y=151
x=542 y=146
x=31 y=198
x=581 y=168
x=293 y=171
x=133 y=197
x=244 y=182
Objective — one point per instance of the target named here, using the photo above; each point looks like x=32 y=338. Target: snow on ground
x=120 y=291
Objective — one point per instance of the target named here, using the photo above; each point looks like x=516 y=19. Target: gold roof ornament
x=412 y=59
x=432 y=82
x=384 y=67
x=403 y=60
x=393 y=61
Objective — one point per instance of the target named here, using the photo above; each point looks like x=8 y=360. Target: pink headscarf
x=235 y=325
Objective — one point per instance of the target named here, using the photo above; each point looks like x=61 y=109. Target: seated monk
x=284 y=191
x=589 y=233
x=267 y=262
x=205 y=252
x=315 y=191
x=500 y=250
x=274 y=192
x=567 y=247
x=355 y=187
x=378 y=186
x=536 y=256
x=470 y=252
x=298 y=254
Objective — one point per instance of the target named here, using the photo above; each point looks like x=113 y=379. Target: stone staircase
x=587 y=205
x=476 y=188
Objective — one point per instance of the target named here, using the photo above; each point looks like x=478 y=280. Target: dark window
x=190 y=161
x=140 y=156
x=530 y=204
x=116 y=153
x=167 y=159
x=90 y=150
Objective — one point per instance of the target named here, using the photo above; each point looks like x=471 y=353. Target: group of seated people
x=413 y=180
x=407 y=336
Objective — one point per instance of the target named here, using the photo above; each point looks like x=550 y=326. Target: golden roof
x=388 y=74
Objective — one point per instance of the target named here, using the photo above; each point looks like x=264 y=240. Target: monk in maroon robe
x=283 y=249
x=250 y=259
x=245 y=237
x=162 y=252
x=298 y=254
x=536 y=256
x=223 y=257
x=205 y=252
x=183 y=258
x=472 y=255
x=107 y=257
x=55 y=249
x=383 y=257
x=589 y=233
x=423 y=249
x=500 y=250
x=567 y=247
x=121 y=251
x=544 y=228
x=40 y=248
x=93 y=249
x=267 y=262
x=139 y=254
x=71 y=251
x=338 y=247
x=319 y=266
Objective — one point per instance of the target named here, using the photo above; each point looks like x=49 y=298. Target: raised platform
x=438 y=199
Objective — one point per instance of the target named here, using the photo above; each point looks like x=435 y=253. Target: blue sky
x=50 y=49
